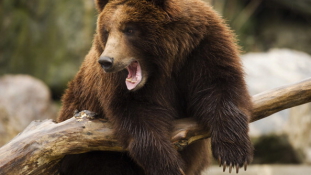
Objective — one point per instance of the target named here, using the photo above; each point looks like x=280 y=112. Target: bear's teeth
x=131 y=80
x=134 y=76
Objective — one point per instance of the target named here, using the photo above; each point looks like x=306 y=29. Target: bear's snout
x=106 y=63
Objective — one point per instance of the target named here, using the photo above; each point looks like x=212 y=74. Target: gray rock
x=22 y=100
x=276 y=68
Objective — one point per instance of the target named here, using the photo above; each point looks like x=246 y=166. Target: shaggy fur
x=190 y=67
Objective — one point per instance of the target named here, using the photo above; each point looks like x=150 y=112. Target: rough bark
x=42 y=144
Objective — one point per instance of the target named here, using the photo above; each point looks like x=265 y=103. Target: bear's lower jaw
x=134 y=76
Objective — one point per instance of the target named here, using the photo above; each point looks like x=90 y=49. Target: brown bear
x=153 y=61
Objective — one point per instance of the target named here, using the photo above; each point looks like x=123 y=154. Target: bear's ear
x=100 y=4
x=170 y=7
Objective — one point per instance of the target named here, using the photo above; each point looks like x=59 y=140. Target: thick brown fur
x=191 y=68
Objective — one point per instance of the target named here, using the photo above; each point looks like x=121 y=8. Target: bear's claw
x=237 y=169
x=224 y=164
x=245 y=165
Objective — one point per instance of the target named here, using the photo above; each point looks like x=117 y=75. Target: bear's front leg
x=145 y=133
x=217 y=97
x=230 y=142
x=228 y=124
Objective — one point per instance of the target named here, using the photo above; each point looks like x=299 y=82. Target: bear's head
x=132 y=35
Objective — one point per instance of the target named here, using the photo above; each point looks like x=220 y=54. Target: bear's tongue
x=134 y=77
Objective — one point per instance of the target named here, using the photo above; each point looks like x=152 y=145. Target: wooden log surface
x=272 y=101
x=38 y=149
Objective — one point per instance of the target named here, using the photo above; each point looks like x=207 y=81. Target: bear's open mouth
x=134 y=75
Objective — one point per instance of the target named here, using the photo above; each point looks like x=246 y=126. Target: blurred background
x=43 y=42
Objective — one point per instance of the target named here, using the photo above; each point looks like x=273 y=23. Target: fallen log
x=39 y=148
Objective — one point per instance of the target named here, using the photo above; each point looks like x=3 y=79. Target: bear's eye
x=129 y=31
x=105 y=33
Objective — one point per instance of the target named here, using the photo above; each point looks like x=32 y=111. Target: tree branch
x=270 y=102
x=38 y=149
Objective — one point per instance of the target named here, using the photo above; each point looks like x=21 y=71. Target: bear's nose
x=106 y=62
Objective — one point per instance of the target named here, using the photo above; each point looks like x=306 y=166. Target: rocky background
x=47 y=40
